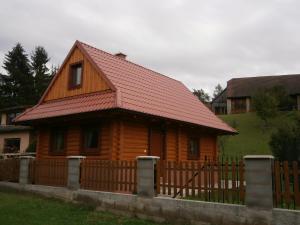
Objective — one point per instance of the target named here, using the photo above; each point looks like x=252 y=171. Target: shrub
x=266 y=105
x=267 y=102
x=285 y=142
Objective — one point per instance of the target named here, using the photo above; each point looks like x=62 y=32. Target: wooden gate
x=209 y=181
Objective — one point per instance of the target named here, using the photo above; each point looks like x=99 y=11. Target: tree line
x=26 y=78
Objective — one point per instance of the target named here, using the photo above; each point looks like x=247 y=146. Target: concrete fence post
x=259 y=191
x=24 y=169
x=74 y=171
x=146 y=175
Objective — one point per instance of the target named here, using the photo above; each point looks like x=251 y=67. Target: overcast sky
x=199 y=42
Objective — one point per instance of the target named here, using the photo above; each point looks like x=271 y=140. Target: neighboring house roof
x=13 y=128
x=247 y=86
x=134 y=88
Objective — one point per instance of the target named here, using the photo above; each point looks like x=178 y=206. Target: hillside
x=252 y=137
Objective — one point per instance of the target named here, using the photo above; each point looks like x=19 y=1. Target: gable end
x=92 y=79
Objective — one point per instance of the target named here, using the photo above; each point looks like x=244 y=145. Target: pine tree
x=42 y=77
x=4 y=92
x=18 y=86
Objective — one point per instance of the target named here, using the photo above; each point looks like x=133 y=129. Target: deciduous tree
x=202 y=95
x=218 y=90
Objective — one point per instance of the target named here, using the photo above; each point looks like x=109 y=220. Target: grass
x=21 y=208
x=253 y=138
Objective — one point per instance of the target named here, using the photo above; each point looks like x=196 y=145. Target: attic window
x=75 y=80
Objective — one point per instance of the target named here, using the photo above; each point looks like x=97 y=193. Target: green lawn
x=19 y=208
x=252 y=137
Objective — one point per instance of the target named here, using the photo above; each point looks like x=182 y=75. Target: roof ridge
x=278 y=75
x=130 y=62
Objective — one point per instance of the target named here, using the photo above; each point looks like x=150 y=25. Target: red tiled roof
x=135 y=88
x=71 y=105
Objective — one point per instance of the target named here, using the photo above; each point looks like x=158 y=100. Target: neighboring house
x=13 y=138
x=105 y=107
x=236 y=98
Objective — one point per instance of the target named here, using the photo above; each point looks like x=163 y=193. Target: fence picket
x=241 y=183
x=287 y=194
x=296 y=183
x=233 y=181
x=199 y=179
x=169 y=177
x=226 y=181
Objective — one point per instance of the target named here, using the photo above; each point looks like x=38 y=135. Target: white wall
x=228 y=106
x=3 y=119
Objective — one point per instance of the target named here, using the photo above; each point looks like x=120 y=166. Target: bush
x=268 y=102
x=285 y=142
x=266 y=105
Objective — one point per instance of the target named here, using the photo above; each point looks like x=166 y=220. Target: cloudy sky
x=199 y=42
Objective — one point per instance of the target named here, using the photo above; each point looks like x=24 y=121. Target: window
x=75 y=79
x=12 y=145
x=58 y=137
x=90 y=140
x=10 y=117
x=193 y=148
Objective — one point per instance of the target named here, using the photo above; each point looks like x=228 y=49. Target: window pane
x=193 y=150
x=58 y=141
x=78 y=75
x=12 y=145
x=91 y=138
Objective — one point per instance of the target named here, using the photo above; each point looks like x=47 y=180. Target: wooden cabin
x=106 y=107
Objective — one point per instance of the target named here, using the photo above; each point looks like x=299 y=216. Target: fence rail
x=10 y=169
x=286 y=184
x=208 y=181
x=114 y=176
x=52 y=172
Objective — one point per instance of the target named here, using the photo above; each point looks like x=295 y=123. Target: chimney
x=121 y=55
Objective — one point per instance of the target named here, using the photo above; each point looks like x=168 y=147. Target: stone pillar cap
x=148 y=157
x=76 y=157
x=258 y=157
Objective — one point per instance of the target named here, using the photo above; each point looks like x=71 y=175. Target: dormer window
x=75 y=80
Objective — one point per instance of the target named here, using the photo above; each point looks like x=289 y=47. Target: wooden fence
x=208 y=181
x=286 y=184
x=52 y=172
x=114 y=176
x=10 y=169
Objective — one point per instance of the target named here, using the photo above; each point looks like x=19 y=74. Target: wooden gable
x=92 y=80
